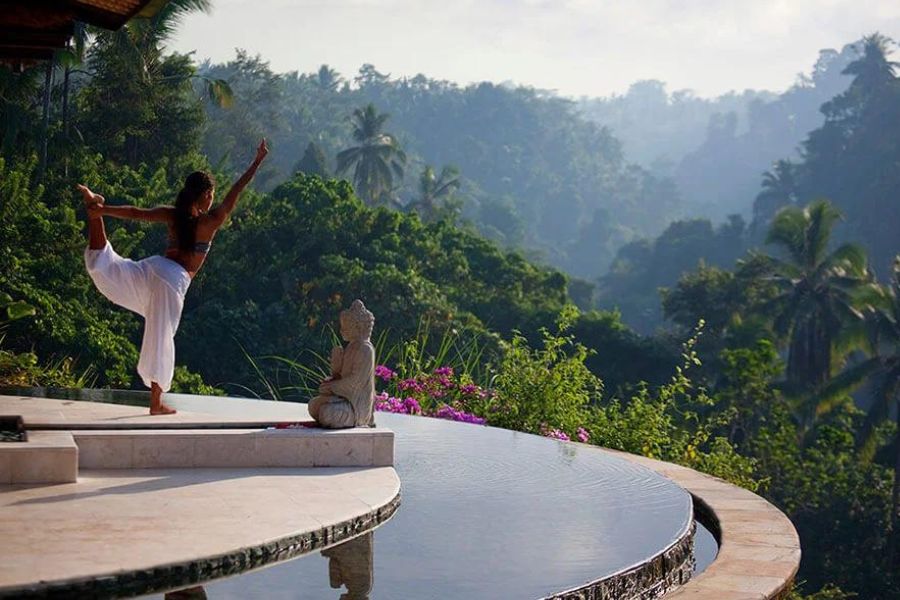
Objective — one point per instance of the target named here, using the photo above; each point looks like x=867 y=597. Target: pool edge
x=759 y=548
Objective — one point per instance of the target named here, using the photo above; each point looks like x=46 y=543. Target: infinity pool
x=485 y=513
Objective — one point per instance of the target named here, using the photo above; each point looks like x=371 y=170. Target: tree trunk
x=65 y=119
x=894 y=558
x=65 y=103
x=45 y=132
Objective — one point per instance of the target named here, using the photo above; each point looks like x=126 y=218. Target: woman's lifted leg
x=96 y=229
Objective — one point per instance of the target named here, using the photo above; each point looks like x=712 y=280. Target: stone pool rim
x=745 y=526
x=759 y=548
x=182 y=574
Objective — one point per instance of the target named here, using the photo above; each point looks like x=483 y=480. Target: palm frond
x=821 y=216
x=886 y=387
x=851 y=257
x=167 y=19
x=346 y=159
x=220 y=92
x=788 y=230
x=837 y=389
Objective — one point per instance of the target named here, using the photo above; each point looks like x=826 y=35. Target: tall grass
x=25 y=369
x=468 y=351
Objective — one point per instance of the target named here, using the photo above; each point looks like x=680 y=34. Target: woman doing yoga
x=155 y=286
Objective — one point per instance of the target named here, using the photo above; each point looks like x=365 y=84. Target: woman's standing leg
x=156 y=404
x=157 y=362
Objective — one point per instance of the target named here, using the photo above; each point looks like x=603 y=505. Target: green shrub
x=544 y=388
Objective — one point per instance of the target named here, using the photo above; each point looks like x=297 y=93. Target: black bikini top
x=199 y=247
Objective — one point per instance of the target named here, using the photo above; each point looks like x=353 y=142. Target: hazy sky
x=577 y=47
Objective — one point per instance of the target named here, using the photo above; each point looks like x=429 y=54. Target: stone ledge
x=234 y=448
x=47 y=457
x=104 y=536
x=648 y=581
x=759 y=549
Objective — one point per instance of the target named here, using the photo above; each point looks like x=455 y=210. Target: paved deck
x=126 y=527
x=113 y=529
x=45 y=413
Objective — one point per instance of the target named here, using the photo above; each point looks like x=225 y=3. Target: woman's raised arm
x=221 y=212
x=134 y=213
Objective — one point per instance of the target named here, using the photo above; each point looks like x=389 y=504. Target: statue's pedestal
x=47 y=457
x=234 y=448
x=65 y=436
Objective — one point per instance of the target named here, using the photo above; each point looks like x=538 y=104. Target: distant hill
x=717 y=149
x=535 y=173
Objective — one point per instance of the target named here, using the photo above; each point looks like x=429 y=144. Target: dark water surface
x=485 y=513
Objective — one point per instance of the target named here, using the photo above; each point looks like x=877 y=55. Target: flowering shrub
x=452 y=414
x=384 y=373
x=546 y=390
x=406 y=406
x=549 y=391
x=440 y=394
x=552 y=432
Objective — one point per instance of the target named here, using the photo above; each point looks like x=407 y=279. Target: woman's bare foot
x=92 y=201
x=162 y=409
x=156 y=404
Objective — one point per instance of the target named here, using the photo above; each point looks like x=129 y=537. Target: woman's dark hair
x=196 y=184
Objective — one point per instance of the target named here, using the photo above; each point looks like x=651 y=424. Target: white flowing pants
x=153 y=288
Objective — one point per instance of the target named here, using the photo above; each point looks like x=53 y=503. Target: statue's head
x=356 y=322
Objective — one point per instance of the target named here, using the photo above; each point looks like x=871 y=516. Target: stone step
x=234 y=448
x=47 y=457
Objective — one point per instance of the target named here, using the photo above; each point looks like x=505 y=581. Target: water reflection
x=350 y=565
x=192 y=593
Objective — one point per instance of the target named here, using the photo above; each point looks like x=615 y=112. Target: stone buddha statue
x=347 y=397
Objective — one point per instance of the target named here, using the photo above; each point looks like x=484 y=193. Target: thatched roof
x=31 y=30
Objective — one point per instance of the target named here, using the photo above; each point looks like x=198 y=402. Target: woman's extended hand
x=262 y=151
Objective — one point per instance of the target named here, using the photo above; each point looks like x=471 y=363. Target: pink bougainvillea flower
x=554 y=433
x=453 y=414
x=384 y=373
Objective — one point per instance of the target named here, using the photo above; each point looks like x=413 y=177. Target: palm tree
x=143 y=38
x=376 y=160
x=17 y=91
x=434 y=191
x=819 y=294
x=328 y=79
x=873 y=70
x=882 y=371
x=872 y=74
x=779 y=187
x=139 y=104
x=45 y=120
